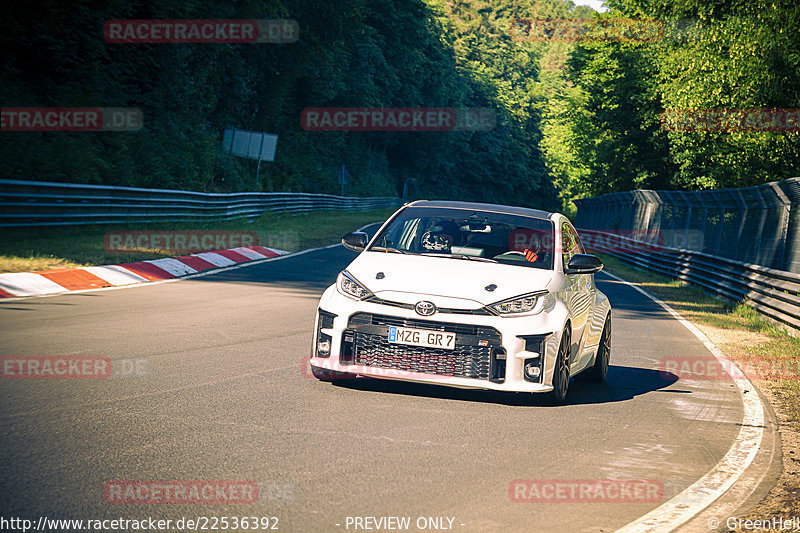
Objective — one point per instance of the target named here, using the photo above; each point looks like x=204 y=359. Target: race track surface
x=220 y=391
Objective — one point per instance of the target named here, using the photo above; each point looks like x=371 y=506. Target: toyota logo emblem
x=425 y=308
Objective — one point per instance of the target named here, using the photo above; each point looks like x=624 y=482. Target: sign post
x=341 y=177
x=258 y=166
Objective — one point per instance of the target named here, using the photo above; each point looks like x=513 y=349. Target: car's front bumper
x=490 y=351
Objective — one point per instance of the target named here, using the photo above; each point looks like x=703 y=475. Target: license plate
x=422 y=337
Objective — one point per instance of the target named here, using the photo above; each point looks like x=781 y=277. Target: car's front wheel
x=561 y=371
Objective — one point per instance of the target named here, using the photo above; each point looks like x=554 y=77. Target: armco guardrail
x=759 y=225
x=38 y=203
x=774 y=293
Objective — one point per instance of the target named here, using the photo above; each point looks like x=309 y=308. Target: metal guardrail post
x=757 y=257
x=737 y=196
x=784 y=224
x=792 y=255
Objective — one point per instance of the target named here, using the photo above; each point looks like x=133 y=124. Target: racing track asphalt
x=224 y=396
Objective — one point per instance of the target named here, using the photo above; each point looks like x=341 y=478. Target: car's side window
x=570 y=245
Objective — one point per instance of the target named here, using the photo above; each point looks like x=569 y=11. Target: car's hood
x=448 y=278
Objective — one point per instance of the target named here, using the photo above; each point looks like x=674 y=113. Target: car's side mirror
x=584 y=264
x=356 y=241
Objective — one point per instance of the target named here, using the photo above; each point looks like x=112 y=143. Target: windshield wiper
x=461 y=256
x=387 y=249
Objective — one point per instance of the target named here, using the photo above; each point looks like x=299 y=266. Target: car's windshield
x=470 y=235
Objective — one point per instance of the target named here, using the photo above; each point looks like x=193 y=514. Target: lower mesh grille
x=365 y=342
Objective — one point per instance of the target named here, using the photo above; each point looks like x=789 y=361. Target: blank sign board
x=250 y=144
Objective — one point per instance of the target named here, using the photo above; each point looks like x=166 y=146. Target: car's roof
x=510 y=210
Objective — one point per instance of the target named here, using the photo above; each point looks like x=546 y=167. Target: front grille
x=365 y=342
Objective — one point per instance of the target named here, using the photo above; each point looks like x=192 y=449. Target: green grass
x=30 y=249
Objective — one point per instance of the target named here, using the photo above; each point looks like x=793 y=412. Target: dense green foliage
x=603 y=127
x=352 y=53
x=572 y=119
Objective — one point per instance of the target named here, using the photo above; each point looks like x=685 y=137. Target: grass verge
x=32 y=249
x=753 y=342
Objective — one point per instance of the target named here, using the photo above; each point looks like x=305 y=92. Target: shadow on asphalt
x=624 y=383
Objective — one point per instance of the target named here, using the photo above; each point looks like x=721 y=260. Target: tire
x=323 y=374
x=599 y=371
x=561 y=371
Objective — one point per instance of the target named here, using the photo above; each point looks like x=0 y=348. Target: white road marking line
x=709 y=488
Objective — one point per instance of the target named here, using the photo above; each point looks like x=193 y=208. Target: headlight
x=526 y=303
x=350 y=286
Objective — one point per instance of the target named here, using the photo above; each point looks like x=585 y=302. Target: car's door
x=596 y=318
x=580 y=293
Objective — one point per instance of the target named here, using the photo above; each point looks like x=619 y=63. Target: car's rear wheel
x=561 y=371
x=323 y=374
x=599 y=371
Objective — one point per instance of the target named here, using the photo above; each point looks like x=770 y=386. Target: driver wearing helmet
x=442 y=237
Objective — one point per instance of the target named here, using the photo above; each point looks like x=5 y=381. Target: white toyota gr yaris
x=466 y=295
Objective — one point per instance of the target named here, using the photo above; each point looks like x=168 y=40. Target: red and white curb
x=98 y=277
